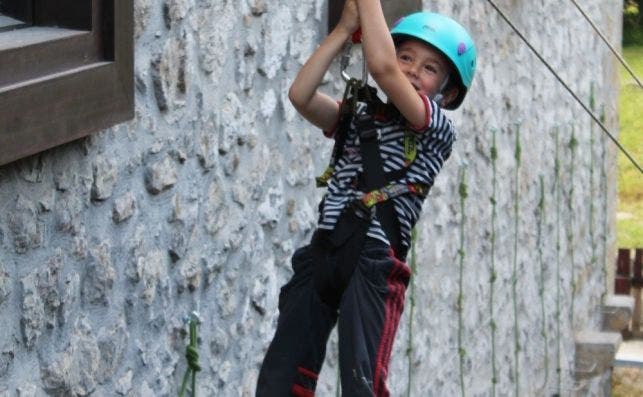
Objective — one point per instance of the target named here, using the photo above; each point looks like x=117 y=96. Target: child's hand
x=349 y=20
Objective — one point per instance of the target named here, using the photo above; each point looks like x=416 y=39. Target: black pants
x=368 y=316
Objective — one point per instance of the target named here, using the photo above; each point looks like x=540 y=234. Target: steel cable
x=616 y=54
x=564 y=84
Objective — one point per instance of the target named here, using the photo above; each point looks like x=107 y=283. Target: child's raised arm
x=379 y=50
x=314 y=106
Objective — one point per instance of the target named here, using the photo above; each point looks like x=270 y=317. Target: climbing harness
x=338 y=250
x=566 y=86
x=191 y=355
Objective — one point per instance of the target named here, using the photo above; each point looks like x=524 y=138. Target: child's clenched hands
x=349 y=20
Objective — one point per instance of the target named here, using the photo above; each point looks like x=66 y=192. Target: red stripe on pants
x=299 y=391
x=393 y=310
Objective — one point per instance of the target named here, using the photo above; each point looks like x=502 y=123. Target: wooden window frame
x=66 y=75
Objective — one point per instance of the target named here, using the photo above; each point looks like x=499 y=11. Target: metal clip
x=344 y=61
x=193 y=316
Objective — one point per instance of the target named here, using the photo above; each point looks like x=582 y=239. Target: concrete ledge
x=617 y=312
x=595 y=352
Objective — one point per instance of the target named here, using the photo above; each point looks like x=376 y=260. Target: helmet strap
x=439 y=96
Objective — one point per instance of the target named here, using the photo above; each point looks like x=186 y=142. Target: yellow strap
x=410 y=148
x=323 y=179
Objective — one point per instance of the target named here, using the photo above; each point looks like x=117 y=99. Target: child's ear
x=449 y=95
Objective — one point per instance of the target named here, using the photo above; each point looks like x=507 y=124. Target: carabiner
x=344 y=60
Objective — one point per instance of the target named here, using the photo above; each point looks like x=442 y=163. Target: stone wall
x=198 y=203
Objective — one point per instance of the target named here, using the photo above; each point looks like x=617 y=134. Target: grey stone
x=168 y=75
x=124 y=207
x=70 y=298
x=124 y=383
x=259 y=295
x=105 y=176
x=33 y=311
x=595 y=352
x=40 y=300
x=28 y=232
x=190 y=274
x=271 y=209
x=5 y=284
x=258 y=7
x=6 y=359
x=219 y=343
x=141 y=16
x=157 y=83
x=184 y=211
x=175 y=11
x=178 y=244
x=47 y=200
x=145 y=390
x=207 y=146
x=152 y=271
x=31 y=169
x=112 y=344
x=74 y=371
x=216 y=211
x=29 y=390
x=161 y=175
x=617 y=312
x=99 y=280
x=69 y=209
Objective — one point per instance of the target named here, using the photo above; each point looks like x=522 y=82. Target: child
x=353 y=271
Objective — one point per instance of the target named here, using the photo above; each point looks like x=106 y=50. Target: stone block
x=41 y=301
x=105 y=175
x=6 y=359
x=595 y=352
x=24 y=224
x=29 y=390
x=617 y=312
x=75 y=371
x=101 y=274
x=161 y=175
x=152 y=271
x=5 y=284
x=124 y=207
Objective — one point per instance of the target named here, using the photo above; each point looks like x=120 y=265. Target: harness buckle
x=362 y=211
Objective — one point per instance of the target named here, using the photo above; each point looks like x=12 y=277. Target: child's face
x=425 y=67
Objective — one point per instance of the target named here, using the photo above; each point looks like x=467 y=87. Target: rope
x=564 y=84
x=461 y=351
x=541 y=288
x=573 y=144
x=409 y=349
x=514 y=276
x=493 y=277
x=192 y=357
x=557 y=186
x=598 y=31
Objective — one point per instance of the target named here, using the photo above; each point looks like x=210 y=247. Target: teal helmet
x=446 y=35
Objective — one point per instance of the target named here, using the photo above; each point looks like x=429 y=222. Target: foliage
x=630 y=181
x=632 y=22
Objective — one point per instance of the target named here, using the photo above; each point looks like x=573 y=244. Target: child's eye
x=430 y=68
x=405 y=58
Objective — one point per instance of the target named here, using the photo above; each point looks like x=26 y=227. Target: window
x=393 y=10
x=66 y=71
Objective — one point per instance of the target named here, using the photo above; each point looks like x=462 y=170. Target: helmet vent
x=462 y=48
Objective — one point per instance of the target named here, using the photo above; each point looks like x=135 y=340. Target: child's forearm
x=376 y=39
x=311 y=74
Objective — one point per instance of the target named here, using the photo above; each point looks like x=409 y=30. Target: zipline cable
x=598 y=31
x=561 y=81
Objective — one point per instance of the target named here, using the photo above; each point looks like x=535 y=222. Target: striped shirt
x=434 y=142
